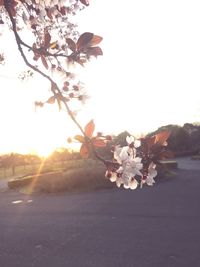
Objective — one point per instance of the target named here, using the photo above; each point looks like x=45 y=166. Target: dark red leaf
x=44 y=62
x=94 y=51
x=162 y=137
x=47 y=39
x=147 y=143
x=89 y=129
x=63 y=10
x=85 y=2
x=49 y=13
x=99 y=143
x=156 y=149
x=96 y=40
x=36 y=56
x=71 y=44
x=84 y=151
x=84 y=40
x=150 y=141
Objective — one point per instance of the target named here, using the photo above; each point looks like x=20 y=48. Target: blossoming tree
x=55 y=43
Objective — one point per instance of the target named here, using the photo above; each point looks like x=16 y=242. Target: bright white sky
x=149 y=76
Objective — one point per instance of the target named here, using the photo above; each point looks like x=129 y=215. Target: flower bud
x=69 y=140
x=71 y=95
x=76 y=88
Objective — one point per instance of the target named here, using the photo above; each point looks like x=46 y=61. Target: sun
x=43 y=152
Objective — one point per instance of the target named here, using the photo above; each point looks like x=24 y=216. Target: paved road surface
x=153 y=227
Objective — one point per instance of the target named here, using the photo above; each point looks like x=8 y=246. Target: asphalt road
x=154 y=227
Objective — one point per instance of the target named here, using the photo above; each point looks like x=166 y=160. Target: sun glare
x=27 y=131
x=154 y=82
x=42 y=151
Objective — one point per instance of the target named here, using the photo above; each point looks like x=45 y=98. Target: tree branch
x=54 y=87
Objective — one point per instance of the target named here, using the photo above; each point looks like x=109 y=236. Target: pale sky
x=150 y=72
x=149 y=76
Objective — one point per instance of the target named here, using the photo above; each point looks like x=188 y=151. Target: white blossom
x=113 y=177
x=130 y=166
x=121 y=154
x=137 y=143
x=130 y=139
x=116 y=155
x=119 y=181
x=151 y=174
x=133 y=184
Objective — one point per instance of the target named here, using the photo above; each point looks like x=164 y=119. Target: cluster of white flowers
x=131 y=167
x=49 y=3
x=48 y=10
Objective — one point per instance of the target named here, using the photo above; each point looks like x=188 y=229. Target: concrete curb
x=169 y=164
x=26 y=180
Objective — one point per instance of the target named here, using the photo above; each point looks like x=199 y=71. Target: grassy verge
x=78 y=176
x=42 y=168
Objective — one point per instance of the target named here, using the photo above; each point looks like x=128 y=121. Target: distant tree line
x=184 y=140
x=12 y=160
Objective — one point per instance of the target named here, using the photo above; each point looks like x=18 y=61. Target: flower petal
x=113 y=177
x=130 y=139
x=150 y=181
x=137 y=143
x=153 y=173
x=126 y=186
x=124 y=153
x=133 y=184
x=119 y=181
